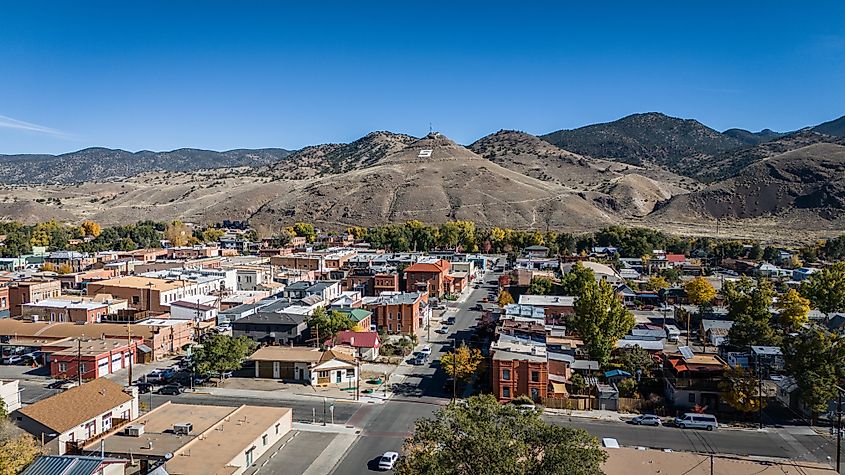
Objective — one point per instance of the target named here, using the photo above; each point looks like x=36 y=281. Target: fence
x=622 y=404
x=585 y=403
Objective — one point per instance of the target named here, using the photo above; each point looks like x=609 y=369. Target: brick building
x=399 y=312
x=429 y=277
x=31 y=291
x=524 y=372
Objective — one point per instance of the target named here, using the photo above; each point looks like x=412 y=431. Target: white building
x=10 y=393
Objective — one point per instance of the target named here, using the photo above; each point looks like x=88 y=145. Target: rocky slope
x=753 y=138
x=834 y=127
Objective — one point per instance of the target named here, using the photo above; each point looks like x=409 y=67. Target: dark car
x=170 y=390
x=144 y=388
x=59 y=383
x=450 y=321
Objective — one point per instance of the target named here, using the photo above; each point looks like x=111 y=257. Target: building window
x=277 y=429
x=264 y=439
x=506 y=375
x=249 y=454
x=691 y=397
x=82 y=367
x=62 y=367
x=506 y=392
x=535 y=376
x=535 y=393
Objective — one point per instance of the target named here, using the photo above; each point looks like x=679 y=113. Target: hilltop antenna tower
x=430 y=128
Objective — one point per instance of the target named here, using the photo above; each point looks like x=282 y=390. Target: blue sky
x=158 y=76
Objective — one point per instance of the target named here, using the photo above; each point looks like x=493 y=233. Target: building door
x=277 y=369
x=338 y=376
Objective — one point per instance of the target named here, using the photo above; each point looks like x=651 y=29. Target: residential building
x=31 y=291
x=75 y=465
x=431 y=278
x=399 y=312
x=188 y=439
x=554 y=306
x=312 y=366
x=273 y=324
x=252 y=277
x=693 y=381
x=198 y=308
x=78 y=414
x=519 y=370
x=364 y=344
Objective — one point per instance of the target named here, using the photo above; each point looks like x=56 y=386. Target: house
x=271 y=326
x=346 y=301
x=78 y=414
x=804 y=273
x=188 y=439
x=693 y=380
x=554 y=306
x=197 y=308
x=364 y=344
x=10 y=394
x=601 y=271
x=75 y=465
x=307 y=365
x=715 y=332
x=399 y=312
x=361 y=318
x=536 y=252
x=31 y=291
x=519 y=369
x=431 y=278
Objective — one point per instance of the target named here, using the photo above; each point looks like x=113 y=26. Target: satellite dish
x=168 y=456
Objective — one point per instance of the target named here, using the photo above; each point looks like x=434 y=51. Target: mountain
x=803 y=187
x=834 y=127
x=434 y=179
x=753 y=138
x=326 y=159
x=641 y=139
x=100 y=164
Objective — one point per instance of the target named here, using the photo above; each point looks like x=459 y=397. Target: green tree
x=636 y=359
x=578 y=277
x=815 y=357
x=601 y=319
x=793 y=309
x=281 y=239
x=328 y=324
x=748 y=307
x=505 y=298
x=485 y=437
x=579 y=385
x=540 y=286
x=627 y=387
x=462 y=362
x=221 y=353
x=212 y=235
x=826 y=288
x=740 y=389
x=656 y=283
x=305 y=230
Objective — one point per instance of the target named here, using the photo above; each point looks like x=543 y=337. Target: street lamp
x=325 y=400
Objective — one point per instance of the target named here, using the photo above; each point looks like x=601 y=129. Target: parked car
x=697 y=421
x=442 y=330
x=426 y=350
x=144 y=388
x=388 y=460
x=646 y=420
x=57 y=384
x=170 y=389
x=13 y=359
x=70 y=383
x=450 y=321
x=420 y=359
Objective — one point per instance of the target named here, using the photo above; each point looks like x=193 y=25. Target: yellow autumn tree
x=177 y=233
x=505 y=298
x=64 y=268
x=793 y=309
x=700 y=291
x=462 y=362
x=656 y=283
x=48 y=267
x=17 y=449
x=91 y=228
x=740 y=389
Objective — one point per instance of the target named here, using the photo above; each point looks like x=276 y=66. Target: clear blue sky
x=163 y=75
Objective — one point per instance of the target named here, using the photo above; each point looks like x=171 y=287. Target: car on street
x=170 y=390
x=144 y=388
x=697 y=421
x=442 y=330
x=646 y=420
x=450 y=321
x=426 y=350
x=57 y=384
x=13 y=359
x=420 y=359
x=388 y=460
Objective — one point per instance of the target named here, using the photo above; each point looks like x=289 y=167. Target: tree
x=576 y=279
x=671 y=274
x=305 y=230
x=748 y=306
x=462 y=362
x=64 y=268
x=793 y=309
x=700 y=291
x=485 y=437
x=826 y=288
x=17 y=449
x=505 y=298
x=328 y=324
x=636 y=359
x=815 y=357
x=540 y=286
x=281 y=239
x=601 y=319
x=91 y=228
x=4 y=412
x=627 y=387
x=740 y=389
x=211 y=235
x=579 y=385
x=756 y=252
x=177 y=233
x=48 y=267
x=221 y=353
x=656 y=283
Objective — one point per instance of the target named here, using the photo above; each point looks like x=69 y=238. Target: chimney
x=351 y=341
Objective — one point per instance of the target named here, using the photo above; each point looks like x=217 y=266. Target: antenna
x=430 y=128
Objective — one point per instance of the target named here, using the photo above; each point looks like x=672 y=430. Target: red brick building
x=399 y=312
x=431 y=278
x=31 y=291
x=516 y=374
x=93 y=358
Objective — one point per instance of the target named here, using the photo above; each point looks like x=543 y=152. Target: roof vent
x=134 y=430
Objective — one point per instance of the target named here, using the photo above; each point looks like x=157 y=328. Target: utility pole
x=839 y=428
x=79 y=361
x=357 y=379
x=712 y=472
x=131 y=353
x=454 y=368
x=760 y=390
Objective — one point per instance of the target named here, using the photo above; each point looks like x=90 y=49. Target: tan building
x=78 y=414
x=624 y=461
x=147 y=293
x=188 y=439
x=31 y=291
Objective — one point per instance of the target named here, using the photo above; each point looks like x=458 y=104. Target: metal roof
x=65 y=465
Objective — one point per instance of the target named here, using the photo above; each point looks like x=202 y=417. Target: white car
x=426 y=350
x=442 y=330
x=646 y=420
x=388 y=460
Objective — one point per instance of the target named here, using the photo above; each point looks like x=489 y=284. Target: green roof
x=358 y=314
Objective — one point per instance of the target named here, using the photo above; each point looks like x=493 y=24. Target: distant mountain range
x=645 y=169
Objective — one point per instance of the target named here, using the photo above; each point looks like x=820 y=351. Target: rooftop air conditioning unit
x=134 y=430
x=183 y=429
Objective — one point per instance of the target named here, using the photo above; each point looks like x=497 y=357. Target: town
x=184 y=349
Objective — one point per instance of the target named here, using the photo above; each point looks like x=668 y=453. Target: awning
x=144 y=349
x=559 y=388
